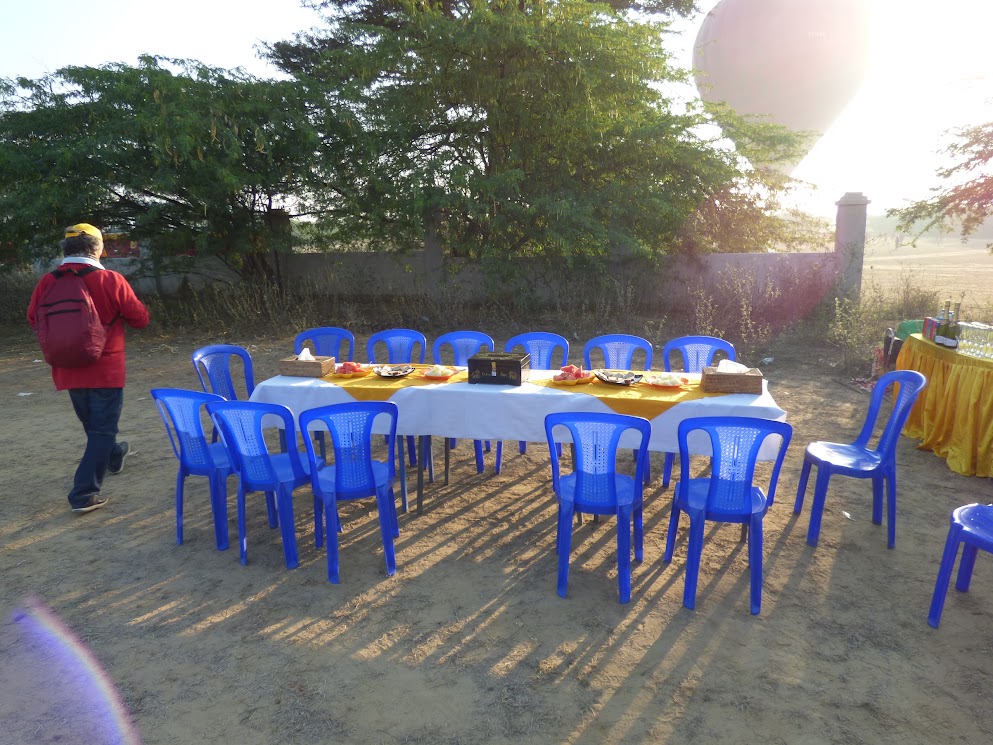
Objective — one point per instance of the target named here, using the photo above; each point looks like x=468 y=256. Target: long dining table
x=458 y=409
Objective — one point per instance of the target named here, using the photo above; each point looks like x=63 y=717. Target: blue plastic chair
x=181 y=413
x=697 y=352
x=971 y=524
x=213 y=366
x=859 y=459
x=327 y=341
x=354 y=474
x=595 y=487
x=402 y=345
x=618 y=351
x=728 y=495
x=463 y=345
x=548 y=352
x=243 y=425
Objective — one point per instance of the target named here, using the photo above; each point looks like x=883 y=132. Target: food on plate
x=571 y=372
x=393 y=371
x=349 y=368
x=439 y=371
x=665 y=379
x=618 y=377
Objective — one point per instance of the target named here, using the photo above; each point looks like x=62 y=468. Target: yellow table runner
x=635 y=400
x=375 y=388
x=954 y=414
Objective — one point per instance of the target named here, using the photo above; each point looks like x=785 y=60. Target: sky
x=929 y=71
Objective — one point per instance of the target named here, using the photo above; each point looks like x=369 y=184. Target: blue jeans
x=99 y=410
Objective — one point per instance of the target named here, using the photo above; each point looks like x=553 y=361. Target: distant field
x=960 y=271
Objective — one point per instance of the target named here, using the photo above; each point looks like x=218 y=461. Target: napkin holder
x=318 y=367
x=748 y=381
x=499 y=368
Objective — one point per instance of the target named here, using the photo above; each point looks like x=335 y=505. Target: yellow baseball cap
x=83 y=227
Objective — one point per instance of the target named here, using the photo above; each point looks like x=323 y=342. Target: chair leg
x=624 y=554
x=180 y=481
x=219 y=508
x=284 y=505
x=755 y=561
x=648 y=468
x=499 y=456
x=523 y=447
x=402 y=471
x=564 y=545
x=693 y=555
x=478 y=447
x=944 y=575
x=386 y=530
x=430 y=446
x=639 y=534
x=891 y=509
x=330 y=513
x=670 y=536
x=817 y=508
x=877 y=499
x=801 y=488
x=242 y=538
x=411 y=451
x=271 y=511
x=667 y=469
x=966 y=565
x=319 y=522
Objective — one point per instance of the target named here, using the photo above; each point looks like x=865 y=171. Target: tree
x=965 y=201
x=175 y=152
x=528 y=128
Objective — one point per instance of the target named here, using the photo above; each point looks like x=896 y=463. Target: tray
x=617 y=377
x=345 y=376
x=318 y=367
x=393 y=371
x=647 y=380
x=749 y=381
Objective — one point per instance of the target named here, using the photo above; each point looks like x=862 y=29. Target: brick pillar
x=849 y=242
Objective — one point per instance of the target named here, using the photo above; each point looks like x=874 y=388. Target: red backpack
x=69 y=329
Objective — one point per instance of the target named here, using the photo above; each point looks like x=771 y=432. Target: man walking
x=79 y=312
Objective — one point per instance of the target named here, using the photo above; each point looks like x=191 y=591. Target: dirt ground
x=468 y=642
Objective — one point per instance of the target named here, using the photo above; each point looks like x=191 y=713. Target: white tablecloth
x=497 y=412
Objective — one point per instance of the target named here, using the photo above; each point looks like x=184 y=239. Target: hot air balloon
x=797 y=61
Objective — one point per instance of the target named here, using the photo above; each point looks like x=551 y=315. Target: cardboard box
x=499 y=368
x=749 y=381
x=318 y=367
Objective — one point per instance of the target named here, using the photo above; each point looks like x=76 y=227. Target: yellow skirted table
x=953 y=416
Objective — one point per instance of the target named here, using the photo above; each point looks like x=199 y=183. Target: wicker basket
x=315 y=368
x=749 y=381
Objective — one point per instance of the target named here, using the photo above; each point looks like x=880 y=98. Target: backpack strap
x=83 y=270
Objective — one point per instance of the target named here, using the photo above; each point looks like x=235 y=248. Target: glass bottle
x=939 y=335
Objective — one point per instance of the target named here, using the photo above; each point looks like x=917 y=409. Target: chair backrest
x=909 y=384
x=400 y=345
x=464 y=345
x=596 y=437
x=243 y=425
x=735 y=442
x=213 y=366
x=618 y=351
x=181 y=412
x=543 y=347
x=326 y=341
x=697 y=352
x=350 y=427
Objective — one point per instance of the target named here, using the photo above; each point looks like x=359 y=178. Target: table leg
x=421 y=464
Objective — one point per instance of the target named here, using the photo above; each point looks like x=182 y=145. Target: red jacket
x=113 y=297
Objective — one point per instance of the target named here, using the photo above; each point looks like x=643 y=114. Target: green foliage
x=965 y=200
x=183 y=155
x=518 y=129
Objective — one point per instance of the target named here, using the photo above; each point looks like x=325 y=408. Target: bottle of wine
x=956 y=328
x=939 y=335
